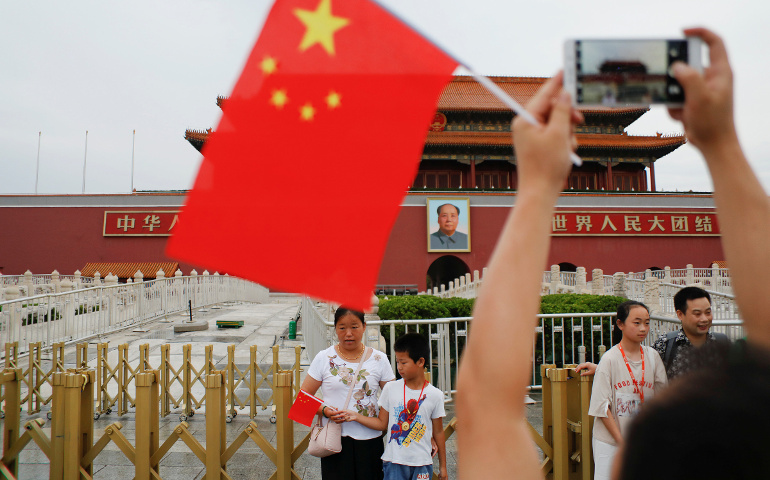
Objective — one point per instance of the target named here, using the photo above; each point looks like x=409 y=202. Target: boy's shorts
x=395 y=471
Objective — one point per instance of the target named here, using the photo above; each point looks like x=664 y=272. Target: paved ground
x=263 y=326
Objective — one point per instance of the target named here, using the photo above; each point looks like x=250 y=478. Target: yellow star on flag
x=320 y=26
x=279 y=98
x=306 y=112
x=333 y=100
x=269 y=65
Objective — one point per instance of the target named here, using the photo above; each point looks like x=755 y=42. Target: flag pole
x=37 y=170
x=85 y=157
x=133 y=148
x=491 y=86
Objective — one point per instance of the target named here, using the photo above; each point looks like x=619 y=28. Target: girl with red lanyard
x=627 y=376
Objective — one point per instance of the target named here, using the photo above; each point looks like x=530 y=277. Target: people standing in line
x=331 y=371
x=411 y=414
x=693 y=308
x=710 y=423
x=628 y=375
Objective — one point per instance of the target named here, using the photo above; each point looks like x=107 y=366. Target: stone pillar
x=554 y=279
x=205 y=273
x=690 y=278
x=160 y=274
x=29 y=282
x=468 y=279
x=451 y=286
x=619 y=284
x=110 y=280
x=667 y=275
x=443 y=287
x=78 y=278
x=178 y=273
x=56 y=281
x=97 y=278
x=193 y=273
x=476 y=277
x=580 y=280
x=647 y=273
x=138 y=276
x=716 y=280
x=652 y=294
x=597 y=281
x=67 y=286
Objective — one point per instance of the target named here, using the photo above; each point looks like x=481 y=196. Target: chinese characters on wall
x=634 y=223
x=140 y=224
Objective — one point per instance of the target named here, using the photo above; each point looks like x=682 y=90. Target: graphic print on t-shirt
x=628 y=404
x=408 y=426
x=364 y=398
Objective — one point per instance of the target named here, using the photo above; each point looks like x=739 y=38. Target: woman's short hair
x=342 y=311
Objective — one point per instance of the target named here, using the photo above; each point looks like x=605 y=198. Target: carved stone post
x=56 y=281
x=597 y=281
x=580 y=280
x=554 y=279
x=652 y=294
x=619 y=284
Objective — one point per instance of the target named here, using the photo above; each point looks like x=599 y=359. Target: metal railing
x=558 y=339
x=81 y=314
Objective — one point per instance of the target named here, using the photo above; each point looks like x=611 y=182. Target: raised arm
x=742 y=204
x=493 y=441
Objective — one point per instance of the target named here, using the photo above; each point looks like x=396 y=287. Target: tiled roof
x=129 y=269
x=464 y=93
x=587 y=140
x=720 y=263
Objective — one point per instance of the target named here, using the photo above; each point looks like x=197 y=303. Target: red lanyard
x=407 y=425
x=637 y=387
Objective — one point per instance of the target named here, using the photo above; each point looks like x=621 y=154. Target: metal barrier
x=71 y=449
x=181 y=386
x=81 y=314
x=567 y=427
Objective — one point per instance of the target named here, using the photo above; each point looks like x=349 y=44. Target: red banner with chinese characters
x=599 y=223
x=140 y=223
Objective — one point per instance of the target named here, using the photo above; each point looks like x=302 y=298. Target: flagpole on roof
x=133 y=148
x=85 y=157
x=37 y=170
x=491 y=86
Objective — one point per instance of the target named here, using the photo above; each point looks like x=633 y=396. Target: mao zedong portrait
x=447 y=237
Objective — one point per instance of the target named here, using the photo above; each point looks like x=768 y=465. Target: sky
x=156 y=67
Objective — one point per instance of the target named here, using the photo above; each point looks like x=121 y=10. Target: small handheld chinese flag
x=304 y=408
x=318 y=143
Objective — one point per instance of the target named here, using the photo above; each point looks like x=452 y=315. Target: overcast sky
x=158 y=66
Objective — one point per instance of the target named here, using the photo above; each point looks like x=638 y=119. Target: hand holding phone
x=627 y=73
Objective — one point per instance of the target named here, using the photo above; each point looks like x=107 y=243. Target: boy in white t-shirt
x=417 y=411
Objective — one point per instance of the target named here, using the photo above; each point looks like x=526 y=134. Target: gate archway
x=445 y=269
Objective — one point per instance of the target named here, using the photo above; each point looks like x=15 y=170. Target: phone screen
x=623 y=72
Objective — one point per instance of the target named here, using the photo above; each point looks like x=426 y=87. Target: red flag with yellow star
x=318 y=143
x=304 y=408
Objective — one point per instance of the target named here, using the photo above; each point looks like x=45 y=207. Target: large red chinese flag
x=302 y=180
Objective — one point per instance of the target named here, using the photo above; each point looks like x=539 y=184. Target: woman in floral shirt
x=332 y=371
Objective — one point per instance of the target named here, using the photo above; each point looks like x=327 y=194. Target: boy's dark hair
x=342 y=311
x=689 y=293
x=625 y=308
x=709 y=424
x=415 y=345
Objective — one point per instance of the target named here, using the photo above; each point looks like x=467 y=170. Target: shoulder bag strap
x=364 y=358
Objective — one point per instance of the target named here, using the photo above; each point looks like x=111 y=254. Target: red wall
x=407 y=261
x=66 y=238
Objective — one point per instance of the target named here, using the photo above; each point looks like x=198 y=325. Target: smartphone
x=627 y=73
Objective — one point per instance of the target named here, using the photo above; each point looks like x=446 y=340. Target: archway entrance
x=445 y=269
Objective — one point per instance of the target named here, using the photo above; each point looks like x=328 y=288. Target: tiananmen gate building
x=608 y=217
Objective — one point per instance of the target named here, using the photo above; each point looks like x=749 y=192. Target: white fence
x=81 y=314
x=558 y=338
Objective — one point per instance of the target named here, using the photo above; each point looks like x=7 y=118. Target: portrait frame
x=439 y=243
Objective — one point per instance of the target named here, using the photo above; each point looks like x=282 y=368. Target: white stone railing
x=75 y=315
x=654 y=288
